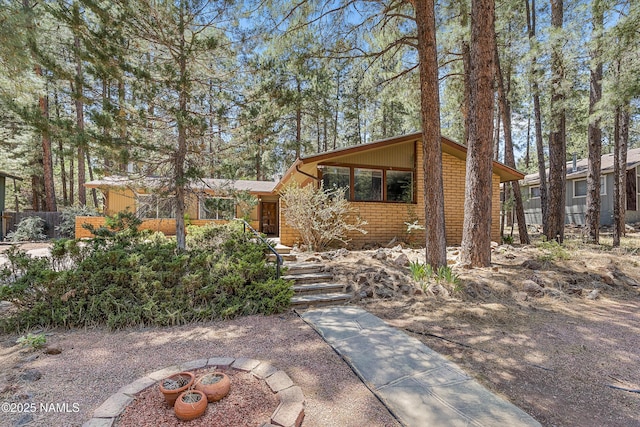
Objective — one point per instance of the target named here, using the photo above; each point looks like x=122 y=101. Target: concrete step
x=334 y=298
x=304 y=268
x=285 y=257
x=317 y=288
x=282 y=249
x=301 y=279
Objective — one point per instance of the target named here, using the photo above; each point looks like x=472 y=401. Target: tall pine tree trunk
x=557 y=134
x=436 y=245
x=509 y=158
x=82 y=191
x=181 y=151
x=537 y=112
x=476 y=230
x=591 y=233
x=621 y=137
x=43 y=104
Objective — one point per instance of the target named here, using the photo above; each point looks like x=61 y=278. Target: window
x=400 y=186
x=368 y=184
x=534 y=192
x=579 y=188
x=335 y=177
x=154 y=206
x=217 y=208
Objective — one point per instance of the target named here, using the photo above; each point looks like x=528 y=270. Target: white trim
x=586 y=189
x=530 y=191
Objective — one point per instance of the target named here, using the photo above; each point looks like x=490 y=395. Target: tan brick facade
x=386 y=221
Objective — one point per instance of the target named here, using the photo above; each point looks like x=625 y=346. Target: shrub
x=30 y=228
x=320 y=216
x=424 y=274
x=67 y=226
x=140 y=280
x=33 y=341
x=552 y=251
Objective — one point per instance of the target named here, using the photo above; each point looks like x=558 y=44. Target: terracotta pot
x=215 y=385
x=170 y=395
x=190 y=410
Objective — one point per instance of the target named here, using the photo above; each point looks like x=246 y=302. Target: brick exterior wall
x=165 y=225
x=387 y=220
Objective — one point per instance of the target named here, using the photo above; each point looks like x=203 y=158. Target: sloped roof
x=8 y=175
x=580 y=171
x=449 y=146
x=255 y=187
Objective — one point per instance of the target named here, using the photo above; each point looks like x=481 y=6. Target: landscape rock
x=380 y=255
x=594 y=294
x=608 y=278
x=532 y=264
x=31 y=375
x=402 y=260
x=531 y=287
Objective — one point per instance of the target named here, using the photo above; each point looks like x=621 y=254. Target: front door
x=269 y=218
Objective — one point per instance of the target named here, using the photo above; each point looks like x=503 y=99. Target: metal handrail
x=279 y=260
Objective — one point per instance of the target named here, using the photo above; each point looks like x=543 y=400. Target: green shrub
x=424 y=274
x=552 y=251
x=30 y=228
x=122 y=279
x=34 y=341
x=67 y=226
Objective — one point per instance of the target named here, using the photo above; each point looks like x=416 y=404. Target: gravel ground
x=95 y=363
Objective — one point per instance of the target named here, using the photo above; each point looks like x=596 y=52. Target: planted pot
x=215 y=385
x=190 y=405
x=172 y=386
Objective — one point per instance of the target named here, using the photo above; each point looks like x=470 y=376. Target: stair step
x=320 y=299
x=282 y=249
x=285 y=257
x=304 y=268
x=301 y=279
x=317 y=288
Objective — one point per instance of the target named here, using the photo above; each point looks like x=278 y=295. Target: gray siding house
x=576 y=194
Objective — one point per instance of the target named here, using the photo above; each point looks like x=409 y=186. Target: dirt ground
x=555 y=331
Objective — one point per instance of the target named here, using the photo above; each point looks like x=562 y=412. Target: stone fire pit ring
x=289 y=413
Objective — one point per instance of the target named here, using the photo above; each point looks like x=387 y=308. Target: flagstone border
x=289 y=413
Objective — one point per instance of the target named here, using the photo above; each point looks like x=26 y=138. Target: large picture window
x=217 y=208
x=154 y=206
x=400 y=186
x=368 y=185
x=335 y=177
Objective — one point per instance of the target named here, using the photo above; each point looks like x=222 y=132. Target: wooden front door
x=269 y=218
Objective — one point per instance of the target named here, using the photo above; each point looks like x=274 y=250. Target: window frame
x=155 y=205
x=603 y=187
x=201 y=208
x=586 y=188
x=351 y=188
x=531 y=196
x=373 y=172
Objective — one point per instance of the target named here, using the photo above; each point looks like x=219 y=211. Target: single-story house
x=576 y=191
x=384 y=181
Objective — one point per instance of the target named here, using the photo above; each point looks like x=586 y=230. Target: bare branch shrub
x=320 y=216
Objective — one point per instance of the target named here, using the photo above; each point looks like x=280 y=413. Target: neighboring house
x=576 y=191
x=3 y=179
x=385 y=186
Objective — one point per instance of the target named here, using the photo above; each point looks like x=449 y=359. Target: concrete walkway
x=419 y=386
